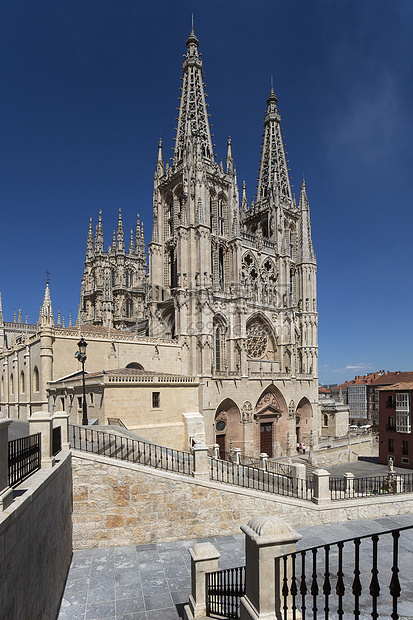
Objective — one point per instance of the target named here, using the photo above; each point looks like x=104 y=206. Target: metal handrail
x=24 y=458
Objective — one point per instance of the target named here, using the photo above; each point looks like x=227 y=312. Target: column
x=201 y=470
x=321 y=487
x=204 y=559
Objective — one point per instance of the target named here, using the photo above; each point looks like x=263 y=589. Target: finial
x=47 y=278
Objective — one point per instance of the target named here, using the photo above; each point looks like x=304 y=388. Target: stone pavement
x=148 y=582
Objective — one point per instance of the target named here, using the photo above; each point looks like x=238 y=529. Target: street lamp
x=81 y=356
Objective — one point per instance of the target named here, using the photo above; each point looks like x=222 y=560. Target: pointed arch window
x=22 y=382
x=36 y=382
x=129 y=308
x=113 y=277
x=11 y=384
x=129 y=278
x=221 y=269
x=220 y=217
x=218 y=345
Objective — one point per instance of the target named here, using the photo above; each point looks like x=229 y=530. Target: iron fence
x=258 y=479
x=133 y=450
x=224 y=589
x=24 y=458
x=56 y=440
x=343 y=579
x=350 y=488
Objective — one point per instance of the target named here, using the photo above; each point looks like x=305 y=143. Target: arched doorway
x=228 y=428
x=303 y=421
x=271 y=423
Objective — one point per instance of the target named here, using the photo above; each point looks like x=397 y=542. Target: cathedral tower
x=114 y=282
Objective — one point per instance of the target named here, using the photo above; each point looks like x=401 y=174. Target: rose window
x=257 y=341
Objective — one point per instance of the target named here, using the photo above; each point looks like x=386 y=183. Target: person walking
x=303 y=448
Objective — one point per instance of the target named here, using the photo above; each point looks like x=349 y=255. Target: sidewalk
x=152 y=582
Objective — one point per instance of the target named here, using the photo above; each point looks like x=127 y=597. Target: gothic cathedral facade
x=233 y=282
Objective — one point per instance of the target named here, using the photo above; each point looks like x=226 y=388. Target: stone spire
x=19 y=318
x=159 y=163
x=46 y=311
x=119 y=233
x=273 y=179
x=1 y=310
x=230 y=160
x=193 y=115
x=89 y=243
x=99 y=234
x=131 y=246
x=305 y=247
x=244 y=201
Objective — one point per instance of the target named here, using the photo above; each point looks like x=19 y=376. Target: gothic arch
x=219 y=339
x=168 y=320
x=261 y=339
x=271 y=423
x=304 y=414
x=22 y=382
x=36 y=382
x=228 y=427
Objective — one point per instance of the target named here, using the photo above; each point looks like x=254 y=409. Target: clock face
x=220 y=426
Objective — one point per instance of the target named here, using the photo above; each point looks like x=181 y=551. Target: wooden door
x=220 y=440
x=266 y=438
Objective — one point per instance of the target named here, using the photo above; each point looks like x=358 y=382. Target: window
x=391 y=445
x=156 y=400
x=11 y=384
x=221 y=269
x=129 y=308
x=405 y=447
x=113 y=277
x=403 y=412
x=36 y=386
x=217 y=349
x=391 y=425
x=220 y=217
x=325 y=420
x=129 y=278
x=62 y=402
x=79 y=402
x=22 y=382
x=91 y=398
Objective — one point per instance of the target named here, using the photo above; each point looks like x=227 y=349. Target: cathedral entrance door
x=220 y=439
x=266 y=438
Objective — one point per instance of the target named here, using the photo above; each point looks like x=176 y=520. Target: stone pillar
x=40 y=422
x=6 y=493
x=266 y=540
x=321 y=486
x=299 y=474
x=201 y=470
x=215 y=449
x=204 y=559
x=61 y=418
x=263 y=461
x=349 y=484
x=237 y=456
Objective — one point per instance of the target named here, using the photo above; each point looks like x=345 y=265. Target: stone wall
x=36 y=544
x=120 y=503
x=339 y=451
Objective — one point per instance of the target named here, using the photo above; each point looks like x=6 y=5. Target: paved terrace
x=152 y=582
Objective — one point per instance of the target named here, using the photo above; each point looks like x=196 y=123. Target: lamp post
x=81 y=356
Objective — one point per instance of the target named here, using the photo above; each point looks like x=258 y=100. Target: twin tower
x=234 y=282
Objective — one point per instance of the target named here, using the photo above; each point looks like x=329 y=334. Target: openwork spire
x=193 y=117
x=99 y=234
x=89 y=243
x=119 y=232
x=273 y=180
x=46 y=313
x=306 y=251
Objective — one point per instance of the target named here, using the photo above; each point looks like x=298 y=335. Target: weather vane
x=48 y=277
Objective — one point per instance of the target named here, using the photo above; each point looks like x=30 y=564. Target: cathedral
x=230 y=285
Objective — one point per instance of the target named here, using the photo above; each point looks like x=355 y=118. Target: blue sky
x=88 y=86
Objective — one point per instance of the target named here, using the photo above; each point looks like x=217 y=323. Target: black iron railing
x=24 y=457
x=349 y=488
x=260 y=480
x=56 y=440
x=315 y=583
x=127 y=449
x=224 y=589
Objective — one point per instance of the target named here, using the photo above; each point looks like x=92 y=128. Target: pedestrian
x=303 y=448
x=298 y=447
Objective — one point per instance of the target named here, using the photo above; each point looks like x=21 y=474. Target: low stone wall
x=337 y=454
x=120 y=503
x=36 y=544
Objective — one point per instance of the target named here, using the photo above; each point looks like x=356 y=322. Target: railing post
x=299 y=472
x=40 y=422
x=204 y=559
x=237 y=456
x=61 y=418
x=263 y=461
x=349 y=484
x=266 y=540
x=6 y=493
x=321 y=486
x=201 y=470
